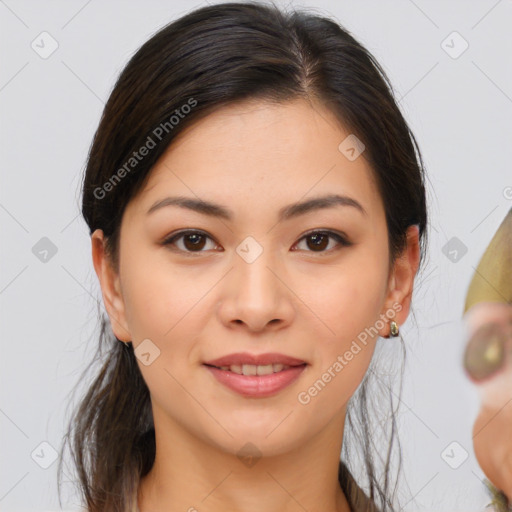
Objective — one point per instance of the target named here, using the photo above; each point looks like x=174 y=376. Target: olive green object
x=492 y=280
x=499 y=499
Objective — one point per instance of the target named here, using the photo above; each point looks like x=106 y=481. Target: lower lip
x=257 y=386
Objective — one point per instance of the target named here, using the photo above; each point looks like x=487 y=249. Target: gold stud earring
x=394 y=331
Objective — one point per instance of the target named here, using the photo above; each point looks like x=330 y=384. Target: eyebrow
x=285 y=213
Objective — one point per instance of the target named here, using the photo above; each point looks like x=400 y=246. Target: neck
x=194 y=475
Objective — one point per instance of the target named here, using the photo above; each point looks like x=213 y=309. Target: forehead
x=260 y=151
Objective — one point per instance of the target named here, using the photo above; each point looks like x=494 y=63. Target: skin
x=492 y=435
x=253 y=158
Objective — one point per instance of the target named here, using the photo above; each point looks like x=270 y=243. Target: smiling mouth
x=251 y=369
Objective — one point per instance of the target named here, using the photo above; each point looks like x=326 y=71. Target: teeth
x=251 y=369
x=264 y=370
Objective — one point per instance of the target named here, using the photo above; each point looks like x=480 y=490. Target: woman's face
x=252 y=281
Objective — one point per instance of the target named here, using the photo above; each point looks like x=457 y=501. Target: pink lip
x=257 y=386
x=241 y=358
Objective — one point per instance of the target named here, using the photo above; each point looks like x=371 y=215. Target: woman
x=257 y=212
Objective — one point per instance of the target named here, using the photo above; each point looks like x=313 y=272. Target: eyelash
x=341 y=240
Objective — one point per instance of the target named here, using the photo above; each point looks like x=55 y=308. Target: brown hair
x=214 y=56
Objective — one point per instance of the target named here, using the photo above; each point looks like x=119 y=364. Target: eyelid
x=326 y=231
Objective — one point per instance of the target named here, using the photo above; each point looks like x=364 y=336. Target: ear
x=110 y=287
x=401 y=282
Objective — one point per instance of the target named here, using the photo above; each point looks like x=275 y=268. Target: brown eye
x=317 y=241
x=192 y=241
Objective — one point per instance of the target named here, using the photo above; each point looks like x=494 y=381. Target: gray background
x=458 y=106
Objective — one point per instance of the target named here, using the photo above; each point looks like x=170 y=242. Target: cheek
x=165 y=304
x=349 y=305
x=348 y=299
x=160 y=298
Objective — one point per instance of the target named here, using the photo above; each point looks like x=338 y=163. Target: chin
x=267 y=440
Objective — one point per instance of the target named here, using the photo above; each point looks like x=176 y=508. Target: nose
x=256 y=295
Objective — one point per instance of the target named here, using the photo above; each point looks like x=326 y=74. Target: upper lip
x=241 y=358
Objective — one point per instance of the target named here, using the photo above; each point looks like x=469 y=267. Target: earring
x=394 y=331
